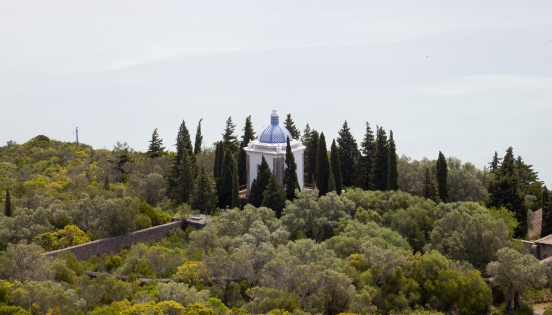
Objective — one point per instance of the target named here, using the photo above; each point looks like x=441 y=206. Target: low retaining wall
x=112 y=244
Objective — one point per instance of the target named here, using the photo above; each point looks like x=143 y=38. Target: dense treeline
x=362 y=252
x=405 y=236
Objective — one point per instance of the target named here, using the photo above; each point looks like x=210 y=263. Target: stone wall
x=112 y=244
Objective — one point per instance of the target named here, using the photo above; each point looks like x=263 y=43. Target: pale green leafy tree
x=515 y=273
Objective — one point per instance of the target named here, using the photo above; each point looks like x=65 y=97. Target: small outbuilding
x=271 y=144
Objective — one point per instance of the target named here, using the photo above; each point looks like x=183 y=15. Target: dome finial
x=275 y=116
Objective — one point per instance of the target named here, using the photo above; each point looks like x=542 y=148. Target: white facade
x=271 y=144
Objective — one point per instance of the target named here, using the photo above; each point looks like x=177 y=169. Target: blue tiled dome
x=275 y=132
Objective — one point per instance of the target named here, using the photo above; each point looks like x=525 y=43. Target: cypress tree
x=310 y=156
x=183 y=170
x=504 y=191
x=367 y=148
x=322 y=167
x=236 y=201
x=348 y=151
x=336 y=168
x=219 y=156
x=306 y=134
x=255 y=197
x=291 y=182
x=393 y=174
x=7 y=205
x=442 y=171
x=229 y=139
x=155 y=148
x=248 y=135
x=123 y=156
x=226 y=185
x=495 y=163
x=430 y=188
x=331 y=181
x=274 y=197
x=546 y=227
x=184 y=136
x=290 y=126
x=203 y=198
x=262 y=180
x=198 y=138
x=181 y=177
x=380 y=163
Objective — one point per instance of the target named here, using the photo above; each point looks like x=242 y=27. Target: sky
x=467 y=78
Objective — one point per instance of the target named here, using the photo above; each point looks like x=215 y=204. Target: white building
x=271 y=144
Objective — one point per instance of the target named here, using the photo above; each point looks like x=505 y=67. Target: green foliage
x=442 y=171
x=468 y=232
x=546 y=228
x=316 y=217
x=322 y=167
x=260 y=184
x=336 y=168
x=264 y=300
x=392 y=175
x=229 y=139
x=198 y=138
x=227 y=181
x=203 y=198
x=430 y=188
x=183 y=169
x=364 y=162
x=291 y=182
x=380 y=161
x=7 y=204
x=311 y=140
x=248 y=135
x=505 y=190
x=274 y=197
x=348 y=151
x=290 y=126
x=155 y=148
x=515 y=273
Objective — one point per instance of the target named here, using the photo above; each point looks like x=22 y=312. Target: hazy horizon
x=466 y=79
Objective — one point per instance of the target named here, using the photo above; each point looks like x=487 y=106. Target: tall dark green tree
x=310 y=156
x=7 y=205
x=255 y=197
x=198 y=138
x=306 y=134
x=529 y=183
x=380 y=161
x=322 y=167
x=364 y=162
x=123 y=155
x=181 y=177
x=495 y=163
x=331 y=181
x=336 y=168
x=504 y=192
x=219 y=156
x=290 y=126
x=225 y=188
x=155 y=148
x=261 y=182
x=546 y=227
x=229 y=139
x=291 y=182
x=203 y=198
x=393 y=173
x=183 y=170
x=348 y=151
x=274 y=196
x=248 y=135
x=236 y=201
x=442 y=177
x=430 y=188
x=184 y=136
